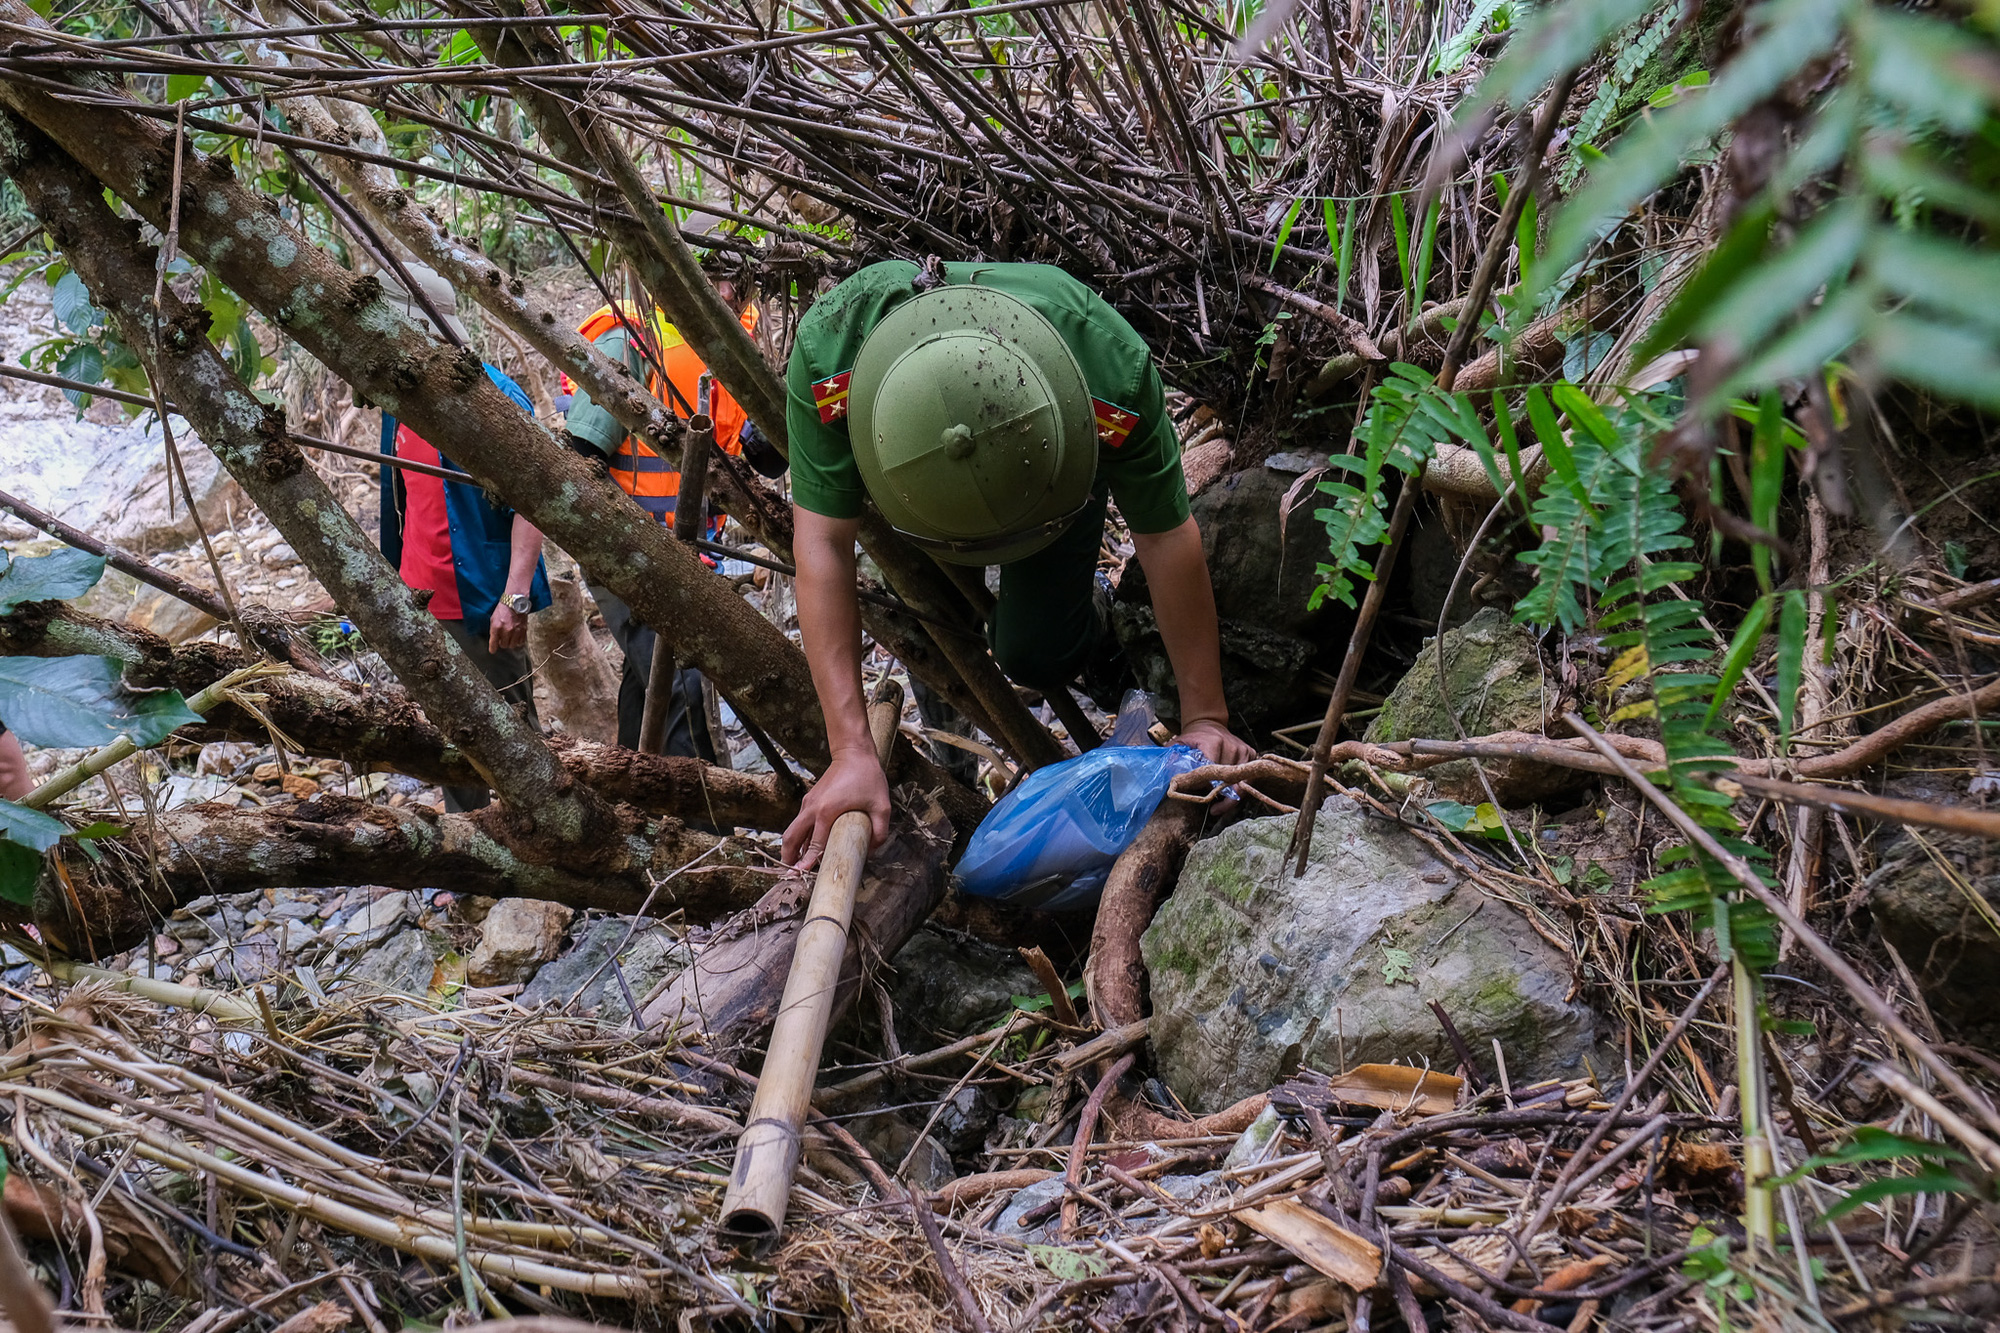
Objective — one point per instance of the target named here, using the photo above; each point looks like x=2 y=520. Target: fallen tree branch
x=334 y=840
x=380 y=727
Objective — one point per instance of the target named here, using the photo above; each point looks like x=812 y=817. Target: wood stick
x=660 y=680
x=767 y=1155
x=198 y=597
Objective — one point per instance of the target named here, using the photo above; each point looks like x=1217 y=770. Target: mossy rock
x=1254 y=972
x=1494 y=680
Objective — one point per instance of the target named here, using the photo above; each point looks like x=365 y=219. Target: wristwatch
x=518 y=602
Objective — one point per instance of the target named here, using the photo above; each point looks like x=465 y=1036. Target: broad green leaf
x=1742 y=649
x=1453 y=815
x=56 y=577
x=30 y=828
x=1791 y=661
x=83 y=362
x=20 y=871
x=74 y=702
x=73 y=306
x=180 y=87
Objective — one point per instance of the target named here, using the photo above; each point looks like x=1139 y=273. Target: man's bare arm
x=830 y=624
x=1184 y=605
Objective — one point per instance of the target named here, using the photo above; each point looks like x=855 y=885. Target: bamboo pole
x=767 y=1154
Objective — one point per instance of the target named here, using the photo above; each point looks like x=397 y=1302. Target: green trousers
x=1047 y=622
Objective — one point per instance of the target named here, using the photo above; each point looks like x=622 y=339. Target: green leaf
x=56 y=577
x=1453 y=815
x=1767 y=478
x=1796 y=32
x=1952 y=279
x=1873 y=1144
x=1780 y=285
x=1399 y=220
x=1558 y=38
x=1576 y=405
x=75 y=702
x=30 y=828
x=1936 y=71
x=73 y=306
x=1285 y=230
x=1458 y=47
x=1397 y=965
x=1067 y=1265
x=1426 y=252
x=1345 y=260
x=1503 y=422
x=1742 y=649
x=1930 y=1180
x=1791 y=661
x=84 y=362
x=1948 y=359
x=1554 y=447
x=180 y=87
x=20 y=871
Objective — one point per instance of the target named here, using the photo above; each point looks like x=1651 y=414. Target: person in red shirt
x=480 y=561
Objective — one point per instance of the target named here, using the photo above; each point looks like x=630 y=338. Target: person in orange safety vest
x=671 y=371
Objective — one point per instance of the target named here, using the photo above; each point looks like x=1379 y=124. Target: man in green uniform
x=989 y=410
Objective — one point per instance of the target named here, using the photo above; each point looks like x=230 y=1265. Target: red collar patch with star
x=830 y=397
x=1114 y=423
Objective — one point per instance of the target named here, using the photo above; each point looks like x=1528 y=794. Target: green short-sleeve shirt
x=1143 y=470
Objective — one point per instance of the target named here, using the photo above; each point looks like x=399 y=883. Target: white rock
x=375 y=922
x=517 y=937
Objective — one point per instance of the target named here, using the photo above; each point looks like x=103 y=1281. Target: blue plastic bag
x=1050 y=842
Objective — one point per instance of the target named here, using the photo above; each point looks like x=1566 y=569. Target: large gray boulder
x=1255 y=972
x=1493 y=676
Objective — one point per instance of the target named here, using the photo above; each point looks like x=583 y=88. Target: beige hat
x=435 y=288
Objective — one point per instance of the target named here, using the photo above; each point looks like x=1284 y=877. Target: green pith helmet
x=972 y=425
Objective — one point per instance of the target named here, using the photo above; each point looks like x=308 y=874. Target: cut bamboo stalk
x=767 y=1154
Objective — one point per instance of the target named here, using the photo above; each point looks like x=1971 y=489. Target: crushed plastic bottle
x=1050 y=842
